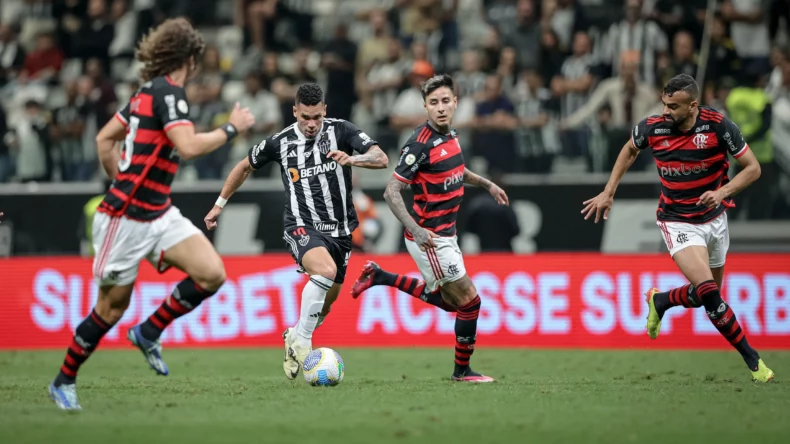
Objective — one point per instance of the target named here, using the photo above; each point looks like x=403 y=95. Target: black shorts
x=300 y=240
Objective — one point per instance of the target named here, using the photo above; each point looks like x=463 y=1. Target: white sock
x=313 y=297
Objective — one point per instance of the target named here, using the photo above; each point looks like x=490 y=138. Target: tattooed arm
x=473 y=179
x=372 y=159
x=394 y=198
x=497 y=193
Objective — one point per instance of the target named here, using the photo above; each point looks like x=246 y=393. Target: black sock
x=186 y=297
x=684 y=296
x=723 y=318
x=465 y=335
x=86 y=339
x=412 y=286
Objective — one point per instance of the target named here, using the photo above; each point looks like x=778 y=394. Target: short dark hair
x=682 y=82
x=309 y=94
x=436 y=82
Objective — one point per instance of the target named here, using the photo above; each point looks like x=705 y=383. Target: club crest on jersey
x=700 y=141
x=324 y=144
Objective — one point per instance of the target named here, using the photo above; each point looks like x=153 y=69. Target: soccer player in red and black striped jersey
x=432 y=164
x=691 y=145
x=136 y=220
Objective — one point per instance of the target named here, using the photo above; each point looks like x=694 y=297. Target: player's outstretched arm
x=373 y=159
x=237 y=176
x=748 y=175
x=602 y=203
x=191 y=145
x=110 y=134
x=394 y=198
x=497 y=193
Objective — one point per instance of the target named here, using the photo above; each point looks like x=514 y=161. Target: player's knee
x=212 y=279
x=325 y=269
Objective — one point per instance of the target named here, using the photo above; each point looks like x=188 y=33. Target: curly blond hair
x=168 y=47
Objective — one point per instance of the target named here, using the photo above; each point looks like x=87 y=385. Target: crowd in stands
x=545 y=86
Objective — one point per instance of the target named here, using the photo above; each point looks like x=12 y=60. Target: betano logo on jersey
x=311 y=171
x=683 y=170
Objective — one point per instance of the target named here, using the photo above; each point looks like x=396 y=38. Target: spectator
x=525 y=35
x=338 y=58
x=43 y=63
x=95 y=34
x=749 y=107
x=6 y=162
x=470 y=81
x=683 y=60
x=12 y=56
x=68 y=125
x=494 y=139
x=635 y=34
x=33 y=145
x=409 y=111
x=263 y=105
x=573 y=86
x=384 y=81
x=749 y=32
x=534 y=137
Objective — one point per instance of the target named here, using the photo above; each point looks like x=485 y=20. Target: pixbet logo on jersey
x=454 y=179
x=683 y=169
x=311 y=171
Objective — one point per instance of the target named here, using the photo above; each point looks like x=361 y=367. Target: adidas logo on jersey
x=443 y=153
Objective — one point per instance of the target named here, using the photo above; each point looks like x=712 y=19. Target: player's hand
x=711 y=199
x=341 y=157
x=600 y=205
x=424 y=238
x=241 y=118
x=499 y=195
x=211 y=217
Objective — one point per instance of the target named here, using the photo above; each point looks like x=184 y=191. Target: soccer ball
x=323 y=367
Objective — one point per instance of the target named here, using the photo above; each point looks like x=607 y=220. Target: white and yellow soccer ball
x=323 y=367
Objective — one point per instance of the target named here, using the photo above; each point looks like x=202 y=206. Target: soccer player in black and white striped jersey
x=315 y=156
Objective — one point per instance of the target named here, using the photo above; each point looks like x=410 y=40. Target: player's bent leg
x=321 y=268
x=205 y=271
x=694 y=264
x=111 y=304
x=372 y=275
x=463 y=294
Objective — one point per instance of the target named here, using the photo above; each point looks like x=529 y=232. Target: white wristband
x=221 y=201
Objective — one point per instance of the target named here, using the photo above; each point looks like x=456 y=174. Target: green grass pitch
x=401 y=396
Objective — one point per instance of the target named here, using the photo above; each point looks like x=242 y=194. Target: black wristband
x=230 y=131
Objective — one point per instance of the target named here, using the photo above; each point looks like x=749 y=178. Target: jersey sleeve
x=354 y=138
x=412 y=157
x=170 y=105
x=639 y=135
x=266 y=151
x=123 y=115
x=732 y=138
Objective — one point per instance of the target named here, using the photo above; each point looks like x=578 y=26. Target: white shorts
x=439 y=265
x=713 y=235
x=120 y=244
